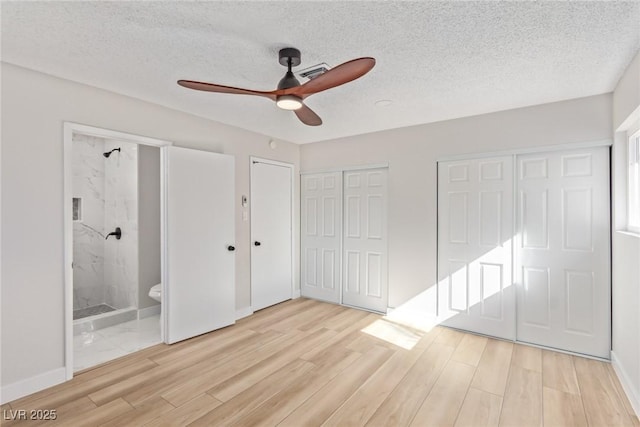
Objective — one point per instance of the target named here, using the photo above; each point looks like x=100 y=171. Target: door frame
x=69 y=129
x=291 y=167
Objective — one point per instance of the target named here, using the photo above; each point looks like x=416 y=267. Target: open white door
x=321 y=233
x=271 y=231
x=199 y=294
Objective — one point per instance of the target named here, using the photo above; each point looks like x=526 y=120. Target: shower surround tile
x=88 y=232
x=105 y=271
x=121 y=210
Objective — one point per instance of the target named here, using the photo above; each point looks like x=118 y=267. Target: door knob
x=256 y=243
x=231 y=248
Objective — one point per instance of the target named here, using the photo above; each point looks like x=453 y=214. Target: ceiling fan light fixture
x=290 y=93
x=289 y=102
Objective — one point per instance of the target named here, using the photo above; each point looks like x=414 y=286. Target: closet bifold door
x=563 y=250
x=321 y=231
x=475 y=239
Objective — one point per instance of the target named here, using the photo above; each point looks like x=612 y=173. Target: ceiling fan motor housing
x=289 y=80
x=289 y=53
x=289 y=57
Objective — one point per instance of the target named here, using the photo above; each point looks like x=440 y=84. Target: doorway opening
x=113 y=244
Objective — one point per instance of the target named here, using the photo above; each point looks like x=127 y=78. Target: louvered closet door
x=321 y=227
x=365 y=239
x=562 y=254
x=475 y=233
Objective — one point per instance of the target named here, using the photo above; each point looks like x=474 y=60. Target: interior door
x=365 y=239
x=271 y=233
x=199 y=295
x=563 y=253
x=321 y=232
x=475 y=230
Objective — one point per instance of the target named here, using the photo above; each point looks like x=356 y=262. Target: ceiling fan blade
x=307 y=116
x=343 y=73
x=210 y=87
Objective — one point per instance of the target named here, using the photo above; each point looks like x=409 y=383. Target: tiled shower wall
x=121 y=210
x=105 y=271
x=88 y=232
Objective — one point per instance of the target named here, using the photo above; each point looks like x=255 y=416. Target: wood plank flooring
x=307 y=363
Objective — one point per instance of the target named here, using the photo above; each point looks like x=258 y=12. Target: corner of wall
x=632 y=392
x=626 y=96
x=625 y=322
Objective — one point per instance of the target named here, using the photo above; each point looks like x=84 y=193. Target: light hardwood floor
x=304 y=362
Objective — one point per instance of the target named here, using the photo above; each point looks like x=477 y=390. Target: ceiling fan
x=290 y=93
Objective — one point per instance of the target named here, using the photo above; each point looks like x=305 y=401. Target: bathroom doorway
x=113 y=234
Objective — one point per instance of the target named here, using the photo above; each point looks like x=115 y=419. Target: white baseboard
x=632 y=391
x=296 y=294
x=11 y=392
x=243 y=312
x=149 y=311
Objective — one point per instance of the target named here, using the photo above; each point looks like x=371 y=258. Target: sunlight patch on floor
x=394 y=333
x=405 y=325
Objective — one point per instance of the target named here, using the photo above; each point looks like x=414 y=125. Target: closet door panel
x=365 y=239
x=321 y=227
x=562 y=253
x=475 y=230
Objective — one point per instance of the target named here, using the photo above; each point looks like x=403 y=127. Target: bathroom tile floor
x=94 y=348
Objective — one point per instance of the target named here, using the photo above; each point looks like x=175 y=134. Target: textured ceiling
x=435 y=60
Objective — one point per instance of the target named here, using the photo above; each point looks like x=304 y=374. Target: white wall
x=34 y=107
x=626 y=247
x=412 y=153
x=626 y=96
x=149 y=262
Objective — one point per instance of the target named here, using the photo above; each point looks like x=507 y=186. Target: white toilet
x=156 y=292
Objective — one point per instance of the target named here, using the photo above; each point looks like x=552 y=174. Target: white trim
x=113 y=134
x=629 y=233
x=296 y=294
x=69 y=129
x=633 y=394
x=528 y=150
x=68 y=249
x=632 y=190
x=241 y=313
x=291 y=166
x=11 y=392
x=270 y=162
x=164 y=267
x=346 y=168
x=148 y=311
